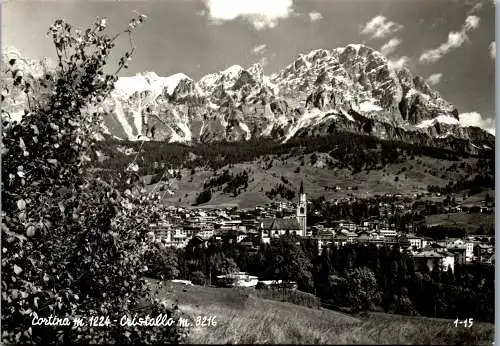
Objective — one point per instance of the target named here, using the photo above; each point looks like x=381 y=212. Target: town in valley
x=249 y=228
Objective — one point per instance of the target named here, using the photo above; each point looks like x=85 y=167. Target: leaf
x=22 y=216
x=28 y=333
x=30 y=232
x=61 y=207
x=35 y=129
x=21 y=204
x=17 y=269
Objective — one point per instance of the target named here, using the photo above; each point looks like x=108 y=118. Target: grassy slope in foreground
x=243 y=318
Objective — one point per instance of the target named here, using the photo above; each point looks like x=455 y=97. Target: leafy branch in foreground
x=72 y=244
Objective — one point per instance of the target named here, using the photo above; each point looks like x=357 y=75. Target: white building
x=205 y=234
x=240 y=279
x=469 y=251
x=302 y=210
x=448 y=261
x=415 y=241
x=178 y=238
x=388 y=232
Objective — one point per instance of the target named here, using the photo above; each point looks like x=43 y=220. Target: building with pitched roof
x=276 y=227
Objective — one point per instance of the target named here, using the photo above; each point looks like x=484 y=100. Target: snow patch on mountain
x=173 y=81
x=149 y=81
x=245 y=128
x=347 y=115
x=122 y=119
x=443 y=119
x=369 y=106
x=308 y=119
x=232 y=71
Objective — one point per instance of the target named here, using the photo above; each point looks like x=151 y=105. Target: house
x=388 y=232
x=438 y=247
x=455 y=242
x=351 y=237
x=323 y=238
x=363 y=237
x=489 y=260
x=458 y=252
x=176 y=238
x=415 y=241
x=206 y=233
x=277 y=284
x=274 y=228
x=426 y=241
x=483 y=252
x=230 y=225
x=448 y=261
x=340 y=240
x=350 y=226
x=469 y=251
x=403 y=242
x=427 y=259
x=390 y=241
x=240 y=279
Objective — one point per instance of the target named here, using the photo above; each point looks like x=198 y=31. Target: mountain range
x=349 y=89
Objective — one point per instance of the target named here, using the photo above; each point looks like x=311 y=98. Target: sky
x=451 y=43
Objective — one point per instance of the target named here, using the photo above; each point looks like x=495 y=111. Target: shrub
x=203 y=197
x=72 y=243
x=162 y=262
x=198 y=278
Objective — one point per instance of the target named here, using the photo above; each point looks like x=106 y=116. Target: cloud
x=434 y=79
x=389 y=47
x=263 y=61
x=455 y=40
x=261 y=14
x=475 y=119
x=476 y=8
x=493 y=50
x=315 y=16
x=380 y=27
x=399 y=63
x=259 y=49
x=471 y=22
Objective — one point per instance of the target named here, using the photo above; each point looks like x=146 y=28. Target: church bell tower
x=302 y=210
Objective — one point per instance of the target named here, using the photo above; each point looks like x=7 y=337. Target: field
x=471 y=223
x=243 y=318
x=411 y=177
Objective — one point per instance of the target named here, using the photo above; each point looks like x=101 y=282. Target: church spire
x=301 y=191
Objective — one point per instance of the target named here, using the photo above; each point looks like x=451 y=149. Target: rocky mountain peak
x=351 y=88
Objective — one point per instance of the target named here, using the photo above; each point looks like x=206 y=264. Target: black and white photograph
x=248 y=172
